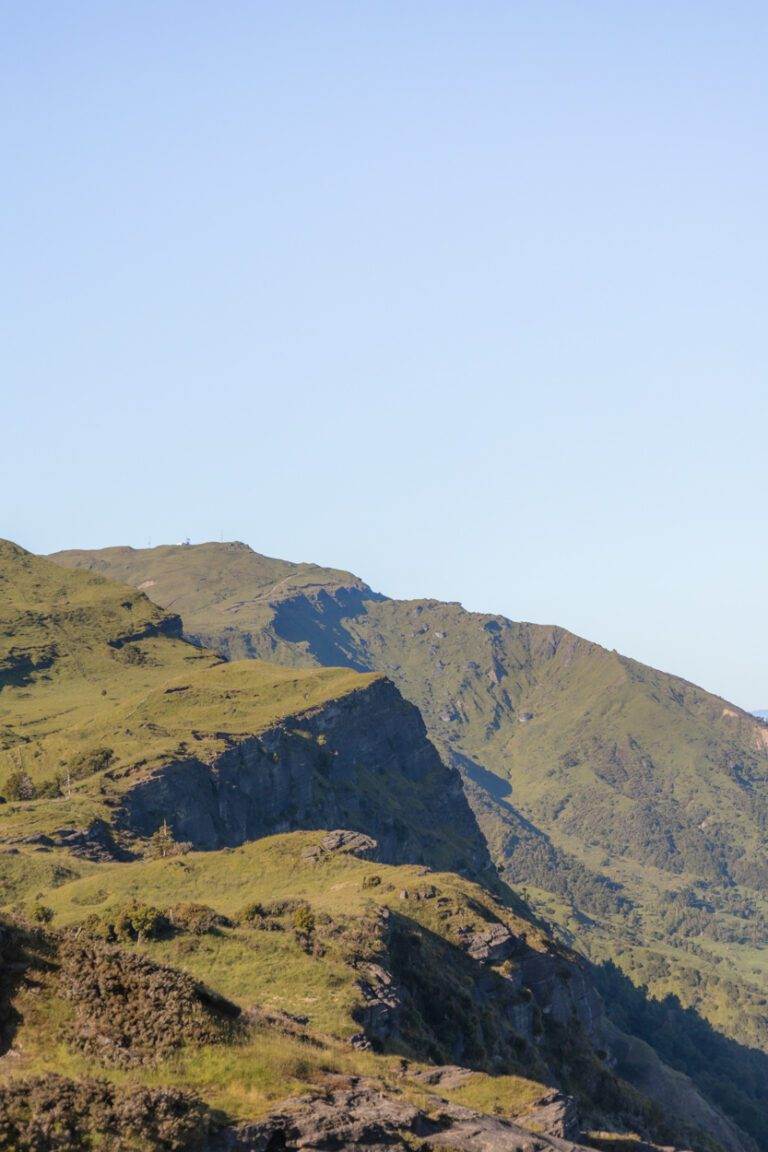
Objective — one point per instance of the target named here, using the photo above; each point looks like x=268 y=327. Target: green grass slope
x=228 y=608
x=111 y=723
x=632 y=804
x=93 y=676
x=299 y=946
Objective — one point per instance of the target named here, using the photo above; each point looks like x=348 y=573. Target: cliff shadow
x=730 y=1075
x=449 y=1008
x=495 y=787
x=23 y=959
x=319 y=622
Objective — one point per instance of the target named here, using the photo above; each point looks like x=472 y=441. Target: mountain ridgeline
x=586 y=743
x=631 y=805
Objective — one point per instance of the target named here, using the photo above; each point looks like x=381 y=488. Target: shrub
x=53 y=788
x=134 y=921
x=195 y=918
x=96 y=926
x=54 y=1113
x=130 y=654
x=371 y=881
x=19 y=786
x=42 y=913
x=251 y=913
x=266 y=916
x=130 y=1011
x=304 y=926
x=89 y=761
x=139 y=921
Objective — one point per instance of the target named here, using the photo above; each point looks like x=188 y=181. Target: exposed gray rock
x=445 y=1076
x=382 y=1002
x=362 y=1117
x=311 y=771
x=340 y=840
x=554 y=1115
x=382 y=996
x=405 y=998
x=491 y=945
x=353 y=842
x=95 y=842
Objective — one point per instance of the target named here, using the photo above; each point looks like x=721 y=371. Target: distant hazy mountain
x=762 y=713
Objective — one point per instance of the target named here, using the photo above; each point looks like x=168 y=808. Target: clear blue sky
x=470 y=298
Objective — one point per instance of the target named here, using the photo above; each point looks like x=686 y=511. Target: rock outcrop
x=55 y=1114
x=554 y=1115
x=359 y=1116
x=362 y=762
x=339 y=840
x=434 y=995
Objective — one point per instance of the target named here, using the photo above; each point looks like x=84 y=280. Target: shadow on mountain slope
x=496 y=787
x=730 y=1075
x=318 y=624
x=537 y=1014
x=528 y=854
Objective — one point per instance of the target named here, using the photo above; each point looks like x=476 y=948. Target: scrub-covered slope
x=298 y=992
x=632 y=804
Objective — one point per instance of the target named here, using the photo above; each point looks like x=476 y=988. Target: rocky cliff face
x=361 y=762
x=481 y=996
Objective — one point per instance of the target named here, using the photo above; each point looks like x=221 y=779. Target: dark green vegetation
x=632 y=805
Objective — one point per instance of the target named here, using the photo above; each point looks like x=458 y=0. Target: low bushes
x=130 y=1011
x=131 y=922
x=54 y=1114
x=195 y=918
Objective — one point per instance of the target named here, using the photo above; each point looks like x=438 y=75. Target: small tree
x=161 y=843
x=137 y=921
x=304 y=926
x=19 y=786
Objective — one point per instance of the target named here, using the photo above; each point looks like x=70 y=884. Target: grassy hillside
x=632 y=804
x=323 y=967
x=111 y=724
x=84 y=661
x=230 y=607
x=137 y=970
